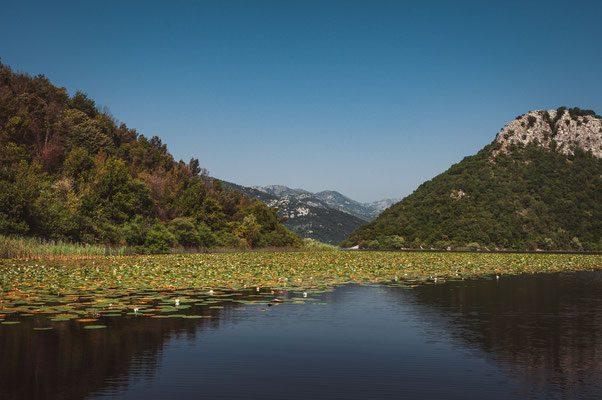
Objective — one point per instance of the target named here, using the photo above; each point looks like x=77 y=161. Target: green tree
x=159 y=240
x=185 y=231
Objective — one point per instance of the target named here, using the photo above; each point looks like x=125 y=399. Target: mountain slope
x=328 y=198
x=68 y=171
x=537 y=186
x=306 y=215
x=365 y=211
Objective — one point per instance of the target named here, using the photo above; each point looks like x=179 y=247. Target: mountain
x=326 y=216
x=538 y=185
x=365 y=211
x=281 y=190
x=69 y=171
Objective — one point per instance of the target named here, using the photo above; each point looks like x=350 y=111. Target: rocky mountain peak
x=560 y=130
x=281 y=190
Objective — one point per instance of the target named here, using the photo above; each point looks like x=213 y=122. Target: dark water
x=520 y=337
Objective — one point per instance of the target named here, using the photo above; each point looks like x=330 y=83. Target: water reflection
x=519 y=336
x=544 y=329
x=69 y=362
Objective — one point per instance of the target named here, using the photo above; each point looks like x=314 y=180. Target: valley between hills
x=71 y=173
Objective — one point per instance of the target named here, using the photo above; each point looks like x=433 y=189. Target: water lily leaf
x=95 y=326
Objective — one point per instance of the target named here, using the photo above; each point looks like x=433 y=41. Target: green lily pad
x=95 y=326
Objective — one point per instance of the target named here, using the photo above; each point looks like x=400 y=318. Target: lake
x=523 y=336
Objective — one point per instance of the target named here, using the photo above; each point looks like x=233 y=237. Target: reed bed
x=37 y=248
x=32 y=248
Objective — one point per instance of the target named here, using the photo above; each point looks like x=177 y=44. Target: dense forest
x=524 y=198
x=69 y=171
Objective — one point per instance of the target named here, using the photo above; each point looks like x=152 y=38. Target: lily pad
x=95 y=326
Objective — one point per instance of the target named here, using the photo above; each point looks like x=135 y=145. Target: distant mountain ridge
x=334 y=199
x=327 y=216
x=367 y=211
x=538 y=185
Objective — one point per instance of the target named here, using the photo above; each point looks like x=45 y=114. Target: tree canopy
x=69 y=171
x=529 y=198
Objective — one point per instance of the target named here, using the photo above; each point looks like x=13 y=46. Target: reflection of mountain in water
x=546 y=329
x=70 y=362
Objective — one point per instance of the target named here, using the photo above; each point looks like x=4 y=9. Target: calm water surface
x=536 y=336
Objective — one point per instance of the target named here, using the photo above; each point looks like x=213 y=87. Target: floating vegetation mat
x=90 y=293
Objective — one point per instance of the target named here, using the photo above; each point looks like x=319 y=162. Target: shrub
x=315 y=245
x=392 y=242
x=227 y=239
x=369 y=244
x=473 y=246
x=576 y=244
x=134 y=232
x=185 y=232
x=206 y=237
x=531 y=120
x=159 y=240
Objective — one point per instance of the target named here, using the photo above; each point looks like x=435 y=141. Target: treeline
x=530 y=198
x=69 y=172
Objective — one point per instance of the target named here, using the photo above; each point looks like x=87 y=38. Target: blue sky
x=370 y=98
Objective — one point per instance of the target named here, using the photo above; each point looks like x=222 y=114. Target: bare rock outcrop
x=560 y=130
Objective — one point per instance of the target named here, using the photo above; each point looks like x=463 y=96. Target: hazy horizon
x=369 y=99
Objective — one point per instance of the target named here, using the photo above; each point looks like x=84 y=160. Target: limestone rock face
x=559 y=130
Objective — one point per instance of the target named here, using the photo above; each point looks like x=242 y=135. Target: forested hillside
x=537 y=186
x=68 y=171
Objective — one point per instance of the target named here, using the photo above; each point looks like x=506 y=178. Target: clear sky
x=370 y=98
